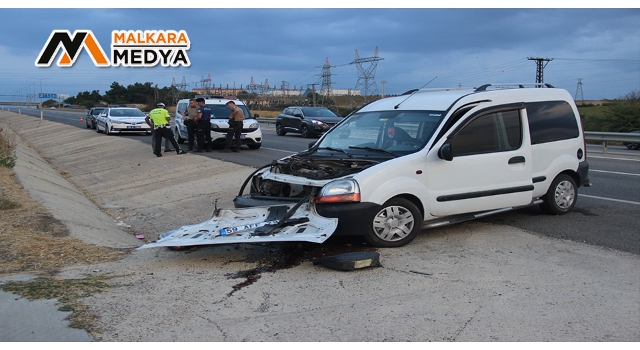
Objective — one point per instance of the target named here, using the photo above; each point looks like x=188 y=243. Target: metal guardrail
x=266 y=120
x=605 y=137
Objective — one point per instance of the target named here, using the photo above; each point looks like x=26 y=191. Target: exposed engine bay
x=278 y=180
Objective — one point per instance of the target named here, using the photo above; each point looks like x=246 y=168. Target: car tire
x=86 y=122
x=98 y=129
x=395 y=225
x=633 y=146
x=255 y=146
x=561 y=196
x=280 y=130
x=178 y=137
x=304 y=131
x=106 y=129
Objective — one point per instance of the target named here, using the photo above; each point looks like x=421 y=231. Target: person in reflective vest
x=160 y=118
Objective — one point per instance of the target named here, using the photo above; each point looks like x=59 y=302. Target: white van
x=428 y=158
x=251 y=132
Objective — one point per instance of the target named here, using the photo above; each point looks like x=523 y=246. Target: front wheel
x=561 y=196
x=396 y=224
x=304 y=131
x=280 y=130
x=178 y=138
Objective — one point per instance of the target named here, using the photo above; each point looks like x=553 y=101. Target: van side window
x=493 y=132
x=551 y=121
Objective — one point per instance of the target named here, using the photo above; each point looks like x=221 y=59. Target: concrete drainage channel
x=467 y=282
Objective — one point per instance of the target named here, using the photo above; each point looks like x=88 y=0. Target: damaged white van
x=427 y=158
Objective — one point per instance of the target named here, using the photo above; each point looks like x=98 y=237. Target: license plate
x=133 y=127
x=242 y=137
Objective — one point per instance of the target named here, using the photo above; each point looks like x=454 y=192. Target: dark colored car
x=307 y=121
x=633 y=145
x=90 y=120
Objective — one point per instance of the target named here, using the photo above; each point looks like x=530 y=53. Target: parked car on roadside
x=633 y=145
x=90 y=120
x=307 y=121
x=251 y=132
x=122 y=119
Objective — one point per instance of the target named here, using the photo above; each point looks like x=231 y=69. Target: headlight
x=254 y=126
x=317 y=122
x=343 y=190
x=214 y=126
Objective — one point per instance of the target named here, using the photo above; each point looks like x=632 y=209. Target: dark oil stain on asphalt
x=271 y=257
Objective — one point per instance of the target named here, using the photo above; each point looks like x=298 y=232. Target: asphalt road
x=607 y=214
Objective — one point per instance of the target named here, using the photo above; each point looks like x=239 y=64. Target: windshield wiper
x=336 y=149
x=373 y=149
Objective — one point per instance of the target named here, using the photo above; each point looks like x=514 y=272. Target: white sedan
x=122 y=119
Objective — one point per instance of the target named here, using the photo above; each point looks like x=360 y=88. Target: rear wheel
x=280 y=130
x=98 y=129
x=633 y=146
x=86 y=122
x=561 y=196
x=396 y=224
x=106 y=129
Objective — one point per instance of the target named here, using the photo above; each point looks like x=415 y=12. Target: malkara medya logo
x=129 y=48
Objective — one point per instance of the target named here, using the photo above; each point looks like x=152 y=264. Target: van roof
x=444 y=99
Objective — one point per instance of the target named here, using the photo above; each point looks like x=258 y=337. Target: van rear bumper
x=583 y=174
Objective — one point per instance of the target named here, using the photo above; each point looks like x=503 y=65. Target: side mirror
x=445 y=152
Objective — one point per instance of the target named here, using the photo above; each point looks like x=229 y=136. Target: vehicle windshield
x=318 y=112
x=223 y=112
x=97 y=111
x=126 y=112
x=385 y=132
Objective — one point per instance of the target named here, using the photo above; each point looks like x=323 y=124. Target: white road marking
x=633 y=160
x=609 y=199
x=612 y=172
x=279 y=150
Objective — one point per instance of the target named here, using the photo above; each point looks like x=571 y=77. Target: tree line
x=138 y=93
x=619 y=115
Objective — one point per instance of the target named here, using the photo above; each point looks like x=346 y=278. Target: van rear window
x=551 y=121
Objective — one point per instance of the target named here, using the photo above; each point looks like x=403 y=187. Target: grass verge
x=67 y=292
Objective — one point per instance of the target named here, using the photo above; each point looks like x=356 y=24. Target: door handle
x=515 y=160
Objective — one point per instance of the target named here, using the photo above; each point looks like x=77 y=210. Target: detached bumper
x=252 y=225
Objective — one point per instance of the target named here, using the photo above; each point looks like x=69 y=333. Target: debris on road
x=350 y=261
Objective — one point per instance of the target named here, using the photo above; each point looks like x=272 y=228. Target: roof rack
x=209 y=96
x=513 y=86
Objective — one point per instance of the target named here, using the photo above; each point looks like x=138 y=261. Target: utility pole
x=383 y=82
x=540 y=64
x=313 y=91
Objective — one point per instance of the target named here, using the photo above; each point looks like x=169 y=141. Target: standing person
x=235 y=127
x=153 y=138
x=203 y=126
x=188 y=118
x=159 y=120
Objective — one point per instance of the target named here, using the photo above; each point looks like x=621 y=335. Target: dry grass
x=7 y=147
x=32 y=240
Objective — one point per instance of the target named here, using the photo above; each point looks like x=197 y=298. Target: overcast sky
x=459 y=46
